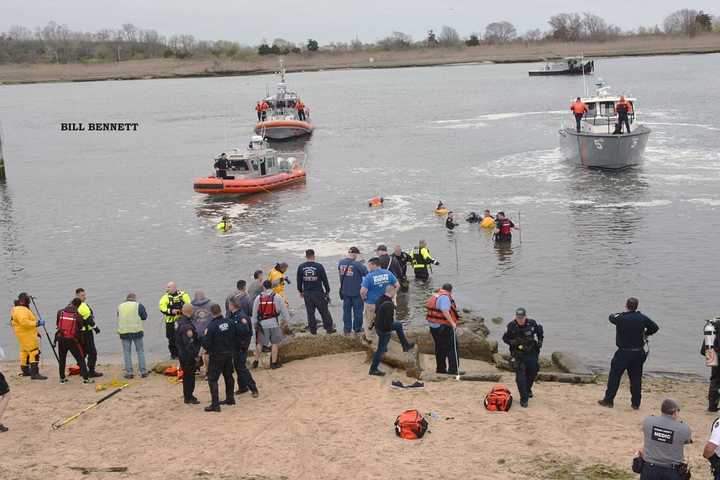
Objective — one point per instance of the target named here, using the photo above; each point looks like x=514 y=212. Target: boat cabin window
x=240 y=165
x=607 y=109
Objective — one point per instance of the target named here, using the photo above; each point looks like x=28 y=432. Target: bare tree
x=682 y=21
x=448 y=37
x=534 y=35
x=20 y=33
x=566 y=26
x=129 y=32
x=500 y=32
x=396 y=41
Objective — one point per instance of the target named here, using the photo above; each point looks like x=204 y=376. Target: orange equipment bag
x=410 y=425
x=74 y=370
x=180 y=374
x=171 y=371
x=499 y=399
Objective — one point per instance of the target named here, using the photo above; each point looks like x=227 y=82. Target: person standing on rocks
x=373 y=287
x=187 y=342
x=632 y=329
x=384 y=325
x=219 y=342
x=351 y=275
x=442 y=317
x=314 y=288
x=525 y=338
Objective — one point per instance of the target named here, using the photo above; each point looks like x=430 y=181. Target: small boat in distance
x=286 y=116
x=256 y=169
x=599 y=144
x=565 y=66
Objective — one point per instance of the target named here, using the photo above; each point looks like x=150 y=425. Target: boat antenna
x=582 y=66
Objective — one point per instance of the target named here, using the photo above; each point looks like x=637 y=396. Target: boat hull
x=225 y=186
x=605 y=151
x=283 y=129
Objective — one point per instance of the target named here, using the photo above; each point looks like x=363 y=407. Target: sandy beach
x=207 y=67
x=325 y=418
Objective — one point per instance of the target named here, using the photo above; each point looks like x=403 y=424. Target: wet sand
x=325 y=418
x=208 y=67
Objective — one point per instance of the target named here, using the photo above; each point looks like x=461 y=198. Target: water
x=114 y=212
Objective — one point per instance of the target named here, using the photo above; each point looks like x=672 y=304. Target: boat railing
x=610 y=120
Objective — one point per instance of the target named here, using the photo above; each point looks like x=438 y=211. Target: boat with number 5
x=599 y=143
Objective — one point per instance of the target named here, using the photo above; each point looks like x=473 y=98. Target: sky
x=249 y=22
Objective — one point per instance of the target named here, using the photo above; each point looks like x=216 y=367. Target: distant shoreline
x=14 y=74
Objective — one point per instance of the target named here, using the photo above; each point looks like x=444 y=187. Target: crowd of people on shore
x=211 y=342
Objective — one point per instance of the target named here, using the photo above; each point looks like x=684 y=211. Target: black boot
x=25 y=370
x=35 y=372
x=215 y=398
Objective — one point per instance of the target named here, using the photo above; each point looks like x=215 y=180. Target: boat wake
x=541 y=165
x=481 y=120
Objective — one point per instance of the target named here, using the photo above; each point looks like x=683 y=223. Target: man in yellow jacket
x=171 y=307
x=87 y=333
x=26 y=330
x=278 y=279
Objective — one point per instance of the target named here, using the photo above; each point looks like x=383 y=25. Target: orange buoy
x=171 y=371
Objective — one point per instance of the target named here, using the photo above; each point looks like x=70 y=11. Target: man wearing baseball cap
x=665 y=438
x=351 y=273
x=525 y=338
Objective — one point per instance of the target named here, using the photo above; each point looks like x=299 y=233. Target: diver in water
x=224 y=225
x=450 y=221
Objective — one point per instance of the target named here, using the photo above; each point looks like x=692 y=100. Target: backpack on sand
x=410 y=425
x=499 y=399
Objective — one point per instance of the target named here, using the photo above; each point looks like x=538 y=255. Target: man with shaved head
x=187 y=343
x=171 y=307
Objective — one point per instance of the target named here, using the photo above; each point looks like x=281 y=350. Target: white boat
x=565 y=66
x=599 y=144
x=283 y=120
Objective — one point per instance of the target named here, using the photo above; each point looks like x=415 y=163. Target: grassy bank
x=515 y=53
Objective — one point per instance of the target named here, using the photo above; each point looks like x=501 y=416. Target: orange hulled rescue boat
x=283 y=115
x=255 y=170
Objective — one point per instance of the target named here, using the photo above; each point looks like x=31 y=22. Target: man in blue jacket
x=373 y=287
x=314 y=288
x=351 y=274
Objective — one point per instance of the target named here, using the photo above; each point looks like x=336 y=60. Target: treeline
x=56 y=43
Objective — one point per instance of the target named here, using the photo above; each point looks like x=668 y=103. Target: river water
x=115 y=211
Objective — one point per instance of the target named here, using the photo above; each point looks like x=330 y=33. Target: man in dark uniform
x=187 y=343
x=714 y=389
x=244 y=333
x=525 y=338
x=632 y=328
x=219 y=342
x=314 y=288
x=221 y=166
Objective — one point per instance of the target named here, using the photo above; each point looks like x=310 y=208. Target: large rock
x=570 y=363
x=304 y=345
x=503 y=361
x=473 y=322
x=470 y=345
x=410 y=361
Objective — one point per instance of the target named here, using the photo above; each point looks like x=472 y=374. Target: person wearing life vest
x=259 y=110
x=188 y=348
x=488 y=221
x=300 y=106
x=525 y=338
x=87 y=333
x=68 y=338
x=376 y=202
x=224 y=224
x=442 y=317
x=131 y=315
x=264 y=107
x=269 y=310
x=421 y=261
x=279 y=279
x=623 y=108
x=579 y=109
x=171 y=307
x=503 y=228
x=26 y=326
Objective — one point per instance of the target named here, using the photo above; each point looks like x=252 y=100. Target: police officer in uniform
x=219 y=341
x=171 y=307
x=221 y=165
x=525 y=338
x=712 y=448
x=632 y=328
x=665 y=438
x=244 y=333
x=314 y=288
x=87 y=337
x=188 y=348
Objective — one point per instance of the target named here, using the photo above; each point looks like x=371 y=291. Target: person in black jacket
x=219 y=341
x=244 y=333
x=525 y=338
x=632 y=329
x=314 y=288
x=187 y=343
x=384 y=325
x=714 y=388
